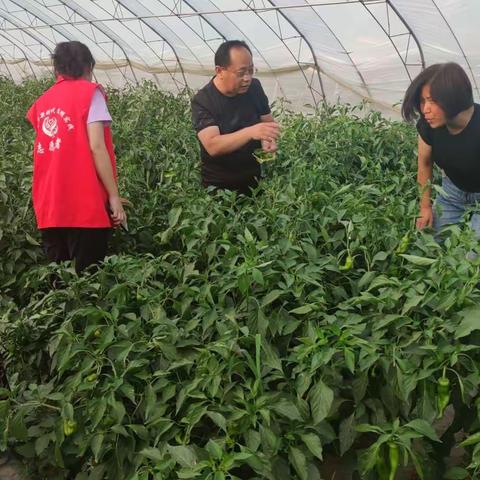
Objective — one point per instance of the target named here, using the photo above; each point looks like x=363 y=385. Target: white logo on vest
x=50 y=126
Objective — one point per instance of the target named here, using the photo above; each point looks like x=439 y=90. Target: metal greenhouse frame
x=306 y=51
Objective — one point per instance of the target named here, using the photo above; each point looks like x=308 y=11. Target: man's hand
x=217 y=144
x=117 y=213
x=425 y=218
x=265 y=131
x=270 y=147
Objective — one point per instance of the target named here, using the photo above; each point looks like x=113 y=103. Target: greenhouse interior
x=239 y=239
x=304 y=51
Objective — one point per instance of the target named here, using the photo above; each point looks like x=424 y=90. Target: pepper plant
x=232 y=337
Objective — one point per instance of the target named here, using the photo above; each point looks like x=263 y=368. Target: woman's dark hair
x=450 y=87
x=72 y=59
x=222 y=55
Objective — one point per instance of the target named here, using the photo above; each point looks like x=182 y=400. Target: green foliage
x=223 y=340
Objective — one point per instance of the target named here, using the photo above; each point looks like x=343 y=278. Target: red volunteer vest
x=67 y=191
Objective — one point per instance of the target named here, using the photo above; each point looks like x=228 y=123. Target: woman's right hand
x=425 y=218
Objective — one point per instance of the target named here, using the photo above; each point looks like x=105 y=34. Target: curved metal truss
x=316 y=49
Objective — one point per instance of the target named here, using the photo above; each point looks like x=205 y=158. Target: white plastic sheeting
x=304 y=50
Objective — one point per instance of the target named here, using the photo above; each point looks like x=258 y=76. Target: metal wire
x=314 y=56
x=162 y=37
x=412 y=33
x=105 y=30
x=242 y=33
x=343 y=48
x=44 y=18
x=389 y=37
x=459 y=45
x=217 y=12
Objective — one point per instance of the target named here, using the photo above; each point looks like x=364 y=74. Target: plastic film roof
x=304 y=50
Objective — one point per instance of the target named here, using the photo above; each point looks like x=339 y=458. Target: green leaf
x=271 y=297
x=303 y=310
x=299 y=462
x=471 y=440
x=31 y=240
x=152 y=453
x=120 y=430
x=218 y=419
x=99 y=410
x=41 y=443
x=470 y=321
x=183 y=455
x=26 y=450
x=253 y=440
x=150 y=400
x=359 y=386
x=173 y=216
x=17 y=429
x=366 y=428
x=313 y=443
x=421 y=261
x=424 y=428
x=411 y=303
x=347 y=433
x=456 y=473
x=320 y=399
x=257 y=276
x=4 y=393
x=185 y=473
x=214 y=449
x=368 y=458
x=140 y=430
x=248 y=236
x=240 y=456
x=96 y=445
x=349 y=359
x=416 y=462
x=287 y=409
x=98 y=472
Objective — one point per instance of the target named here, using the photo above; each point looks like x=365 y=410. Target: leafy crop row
x=226 y=337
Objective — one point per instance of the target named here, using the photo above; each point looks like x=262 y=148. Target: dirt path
x=10 y=469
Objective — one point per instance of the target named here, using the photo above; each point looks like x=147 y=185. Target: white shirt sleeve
x=98 y=109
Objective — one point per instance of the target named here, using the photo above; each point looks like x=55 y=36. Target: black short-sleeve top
x=237 y=170
x=457 y=155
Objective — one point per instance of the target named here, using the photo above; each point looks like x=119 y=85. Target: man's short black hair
x=72 y=59
x=450 y=88
x=222 y=55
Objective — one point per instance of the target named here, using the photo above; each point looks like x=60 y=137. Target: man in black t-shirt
x=232 y=119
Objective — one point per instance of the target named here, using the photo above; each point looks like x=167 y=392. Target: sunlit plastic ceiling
x=304 y=50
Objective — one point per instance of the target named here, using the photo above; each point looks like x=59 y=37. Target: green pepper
x=97 y=332
x=262 y=156
x=92 y=377
x=69 y=427
x=348 y=265
x=381 y=465
x=403 y=244
x=471 y=440
x=393 y=456
x=443 y=394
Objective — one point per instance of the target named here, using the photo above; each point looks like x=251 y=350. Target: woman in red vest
x=75 y=194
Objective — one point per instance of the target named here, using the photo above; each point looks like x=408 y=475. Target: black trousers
x=86 y=246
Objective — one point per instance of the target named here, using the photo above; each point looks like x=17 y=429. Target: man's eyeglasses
x=247 y=72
